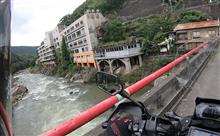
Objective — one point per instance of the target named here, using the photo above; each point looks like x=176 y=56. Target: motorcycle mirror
x=109 y=83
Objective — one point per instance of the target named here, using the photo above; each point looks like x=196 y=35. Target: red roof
x=194 y=25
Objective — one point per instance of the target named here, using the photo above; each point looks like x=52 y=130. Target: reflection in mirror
x=111 y=84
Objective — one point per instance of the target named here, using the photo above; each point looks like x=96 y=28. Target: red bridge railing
x=86 y=116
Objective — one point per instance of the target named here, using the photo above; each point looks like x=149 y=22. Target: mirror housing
x=111 y=84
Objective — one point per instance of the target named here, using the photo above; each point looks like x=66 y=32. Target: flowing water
x=49 y=102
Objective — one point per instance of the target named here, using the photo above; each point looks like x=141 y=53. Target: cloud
x=32 y=18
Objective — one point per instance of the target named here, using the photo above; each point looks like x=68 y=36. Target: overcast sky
x=32 y=18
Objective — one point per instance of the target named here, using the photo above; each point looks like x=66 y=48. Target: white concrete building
x=57 y=38
x=81 y=37
x=46 y=50
x=112 y=57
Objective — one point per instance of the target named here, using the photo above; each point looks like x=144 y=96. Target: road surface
x=207 y=85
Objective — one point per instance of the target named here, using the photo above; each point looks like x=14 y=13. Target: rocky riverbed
x=19 y=90
x=48 y=101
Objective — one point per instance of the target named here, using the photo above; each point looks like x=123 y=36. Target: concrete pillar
x=127 y=64
x=110 y=66
x=140 y=60
x=98 y=67
x=88 y=65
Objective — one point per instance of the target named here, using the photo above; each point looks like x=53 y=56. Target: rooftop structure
x=190 y=35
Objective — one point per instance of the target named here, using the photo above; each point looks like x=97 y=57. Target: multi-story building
x=189 y=35
x=111 y=58
x=46 y=50
x=81 y=37
x=57 y=38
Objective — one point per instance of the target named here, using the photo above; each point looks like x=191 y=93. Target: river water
x=49 y=102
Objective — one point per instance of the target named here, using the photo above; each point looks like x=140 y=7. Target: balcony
x=126 y=52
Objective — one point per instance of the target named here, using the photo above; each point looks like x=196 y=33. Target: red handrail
x=81 y=119
x=5 y=119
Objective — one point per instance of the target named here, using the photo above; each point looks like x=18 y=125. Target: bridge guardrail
x=84 y=117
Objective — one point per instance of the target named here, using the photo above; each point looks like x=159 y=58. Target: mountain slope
x=24 y=50
x=22 y=57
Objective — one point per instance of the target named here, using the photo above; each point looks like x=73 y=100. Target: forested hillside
x=22 y=57
x=24 y=50
x=130 y=9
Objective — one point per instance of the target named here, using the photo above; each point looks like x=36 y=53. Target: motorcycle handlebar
x=154 y=125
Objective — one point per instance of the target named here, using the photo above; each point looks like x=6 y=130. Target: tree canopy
x=192 y=16
x=105 y=6
x=64 y=55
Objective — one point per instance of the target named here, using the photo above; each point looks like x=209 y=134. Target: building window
x=92 y=16
x=78 y=33
x=212 y=33
x=87 y=49
x=84 y=40
x=81 y=22
x=77 y=25
x=69 y=37
x=196 y=34
x=182 y=36
x=97 y=16
x=77 y=51
x=74 y=35
x=72 y=28
x=129 y=46
x=80 y=42
x=83 y=31
x=75 y=43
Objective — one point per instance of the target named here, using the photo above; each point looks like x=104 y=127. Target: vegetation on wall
x=64 y=64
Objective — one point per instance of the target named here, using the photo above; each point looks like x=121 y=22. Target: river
x=49 y=102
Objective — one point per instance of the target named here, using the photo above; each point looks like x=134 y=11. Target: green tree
x=65 y=55
x=105 y=6
x=110 y=5
x=155 y=30
x=192 y=16
x=114 y=31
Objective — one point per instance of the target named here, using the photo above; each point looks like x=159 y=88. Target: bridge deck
x=207 y=85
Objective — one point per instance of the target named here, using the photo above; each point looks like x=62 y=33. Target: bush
x=192 y=16
x=114 y=31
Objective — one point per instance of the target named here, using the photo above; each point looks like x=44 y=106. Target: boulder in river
x=19 y=92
